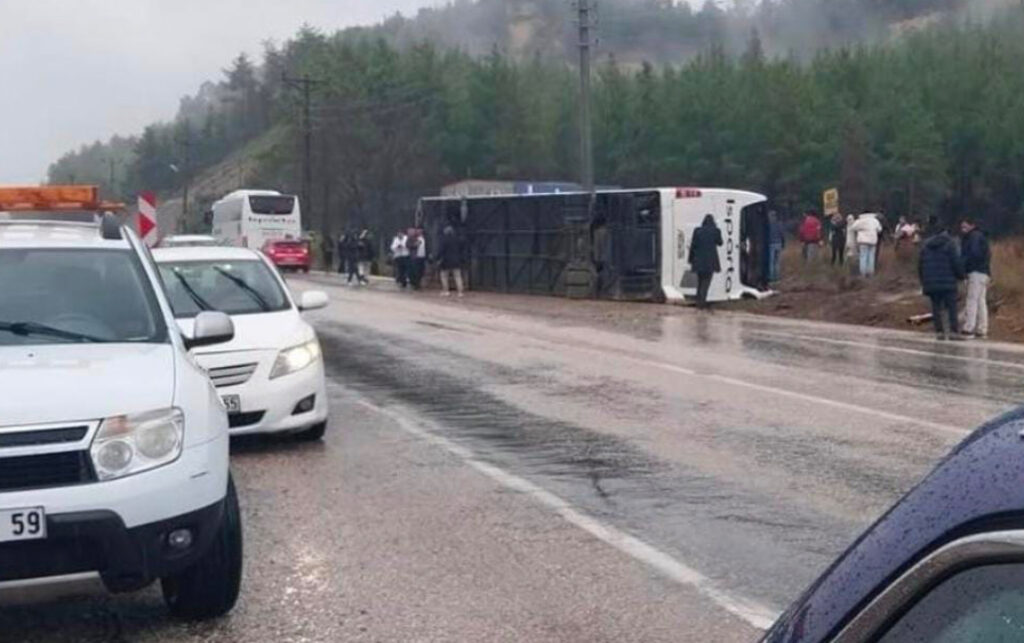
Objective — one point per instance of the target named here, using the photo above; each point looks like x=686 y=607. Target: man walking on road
x=704 y=261
x=978 y=266
x=776 y=244
x=810 y=236
x=941 y=270
x=449 y=258
x=867 y=230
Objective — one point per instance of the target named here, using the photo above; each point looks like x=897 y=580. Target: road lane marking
x=846 y=406
x=750 y=611
x=891 y=349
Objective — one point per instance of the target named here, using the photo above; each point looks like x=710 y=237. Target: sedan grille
x=231 y=375
x=45 y=470
x=239 y=420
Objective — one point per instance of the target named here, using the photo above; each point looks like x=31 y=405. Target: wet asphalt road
x=521 y=469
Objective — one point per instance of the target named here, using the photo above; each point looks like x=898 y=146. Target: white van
x=251 y=218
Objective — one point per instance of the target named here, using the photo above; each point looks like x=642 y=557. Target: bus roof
x=690 y=192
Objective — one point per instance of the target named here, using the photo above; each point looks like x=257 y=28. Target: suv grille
x=42 y=436
x=231 y=375
x=45 y=470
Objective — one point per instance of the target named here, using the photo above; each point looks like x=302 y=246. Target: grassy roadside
x=819 y=291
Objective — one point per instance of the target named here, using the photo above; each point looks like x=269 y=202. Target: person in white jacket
x=866 y=230
x=400 y=257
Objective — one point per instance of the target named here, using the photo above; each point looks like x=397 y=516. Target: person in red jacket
x=810 y=235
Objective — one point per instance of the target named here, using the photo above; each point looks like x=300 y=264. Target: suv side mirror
x=210 y=327
x=312 y=299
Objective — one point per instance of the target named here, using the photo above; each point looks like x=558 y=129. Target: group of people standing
x=942 y=265
x=847 y=237
x=409 y=254
x=356 y=252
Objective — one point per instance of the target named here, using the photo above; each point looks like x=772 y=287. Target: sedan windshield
x=232 y=287
x=66 y=296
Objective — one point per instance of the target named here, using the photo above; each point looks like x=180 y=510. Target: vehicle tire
x=210 y=587
x=314 y=433
x=305 y=271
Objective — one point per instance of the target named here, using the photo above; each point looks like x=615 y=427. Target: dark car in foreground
x=945 y=564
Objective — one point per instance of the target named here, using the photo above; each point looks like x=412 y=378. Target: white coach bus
x=626 y=245
x=251 y=218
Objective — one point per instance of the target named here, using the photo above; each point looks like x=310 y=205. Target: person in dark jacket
x=340 y=246
x=327 y=248
x=978 y=266
x=366 y=252
x=704 y=261
x=837 y=240
x=941 y=270
x=776 y=244
x=450 y=262
x=350 y=256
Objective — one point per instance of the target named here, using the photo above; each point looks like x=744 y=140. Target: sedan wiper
x=244 y=285
x=26 y=328
x=191 y=292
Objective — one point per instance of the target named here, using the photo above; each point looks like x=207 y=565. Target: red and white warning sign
x=147 y=218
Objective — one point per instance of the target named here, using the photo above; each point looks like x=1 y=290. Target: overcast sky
x=74 y=71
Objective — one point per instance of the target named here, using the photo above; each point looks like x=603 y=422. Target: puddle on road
x=736 y=536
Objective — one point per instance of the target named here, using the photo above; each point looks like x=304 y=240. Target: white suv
x=113 y=441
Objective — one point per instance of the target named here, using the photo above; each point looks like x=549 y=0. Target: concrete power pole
x=585 y=8
x=305 y=84
x=186 y=169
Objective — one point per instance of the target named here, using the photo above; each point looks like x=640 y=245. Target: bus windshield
x=273 y=205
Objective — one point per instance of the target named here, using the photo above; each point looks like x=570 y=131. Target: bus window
x=272 y=205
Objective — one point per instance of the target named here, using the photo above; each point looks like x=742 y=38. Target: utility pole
x=305 y=84
x=585 y=9
x=186 y=143
x=113 y=191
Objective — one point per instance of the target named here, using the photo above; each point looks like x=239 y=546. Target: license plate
x=22 y=524
x=233 y=403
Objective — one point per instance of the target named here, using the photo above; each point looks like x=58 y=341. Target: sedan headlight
x=296 y=358
x=129 y=444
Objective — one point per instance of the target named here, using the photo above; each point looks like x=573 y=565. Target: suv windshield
x=233 y=287
x=61 y=296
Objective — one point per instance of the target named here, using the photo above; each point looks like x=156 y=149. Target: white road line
x=814 y=399
x=891 y=349
x=752 y=612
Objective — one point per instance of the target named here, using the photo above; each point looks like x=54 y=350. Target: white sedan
x=271 y=375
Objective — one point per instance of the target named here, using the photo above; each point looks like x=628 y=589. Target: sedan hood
x=82 y=382
x=263 y=331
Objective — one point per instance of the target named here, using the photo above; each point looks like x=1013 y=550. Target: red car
x=289 y=254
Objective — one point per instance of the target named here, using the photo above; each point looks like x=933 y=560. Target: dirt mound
x=819 y=291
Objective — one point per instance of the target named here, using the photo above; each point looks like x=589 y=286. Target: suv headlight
x=129 y=444
x=296 y=358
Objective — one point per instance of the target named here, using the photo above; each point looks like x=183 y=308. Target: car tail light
x=688 y=193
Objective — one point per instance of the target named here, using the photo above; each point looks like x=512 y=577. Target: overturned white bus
x=631 y=245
